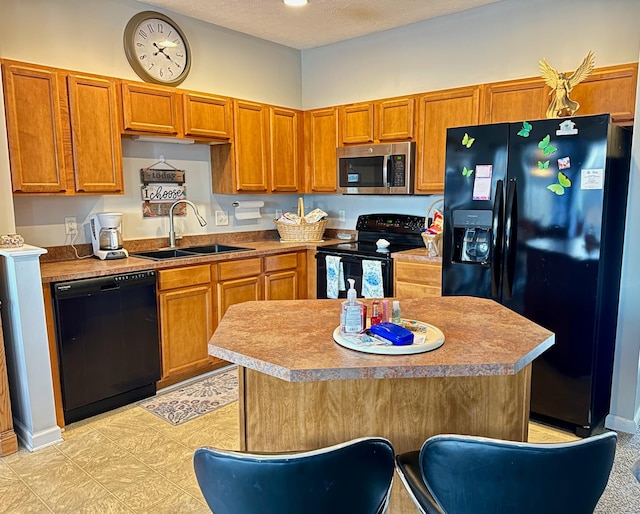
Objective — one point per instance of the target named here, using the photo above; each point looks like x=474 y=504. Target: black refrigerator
x=534 y=219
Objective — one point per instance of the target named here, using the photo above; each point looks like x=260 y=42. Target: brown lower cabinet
x=417 y=279
x=185 y=306
x=193 y=299
x=8 y=439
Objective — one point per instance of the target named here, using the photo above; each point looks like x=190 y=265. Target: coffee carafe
x=106 y=235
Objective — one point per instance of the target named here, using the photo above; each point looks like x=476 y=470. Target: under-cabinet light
x=158 y=139
x=295 y=3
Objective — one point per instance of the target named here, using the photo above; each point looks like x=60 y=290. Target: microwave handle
x=386 y=165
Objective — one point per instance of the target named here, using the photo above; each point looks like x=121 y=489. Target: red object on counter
x=375 y=313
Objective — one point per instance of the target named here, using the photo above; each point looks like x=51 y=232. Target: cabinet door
x=356 y=123
x=285 y=151
x=282 y=285
x=321 y=140
x=240 y=290
x=437 y=112
x=186 y=325
x=282 y=276
x=95 y=132
x=515 y=100
x=611 y=89
x=416 y=279
x=150 y=109
x=251 y=146
x=34 y=97
x=396 y=120
x=207 y=116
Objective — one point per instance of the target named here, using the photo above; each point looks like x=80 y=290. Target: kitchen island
x=301 y=390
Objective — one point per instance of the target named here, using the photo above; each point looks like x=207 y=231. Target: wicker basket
x=302 y=232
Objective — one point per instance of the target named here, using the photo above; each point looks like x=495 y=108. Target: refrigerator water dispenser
x=472 y=236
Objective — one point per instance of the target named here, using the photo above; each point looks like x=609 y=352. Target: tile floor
x=129 y=461
x=124 y=461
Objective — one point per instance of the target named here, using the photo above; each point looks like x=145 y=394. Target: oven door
x=352 y=268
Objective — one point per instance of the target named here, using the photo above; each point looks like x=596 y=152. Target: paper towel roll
x=248 y=210
x=255 y=204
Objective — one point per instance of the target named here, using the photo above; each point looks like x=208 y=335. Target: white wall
x=500 y=41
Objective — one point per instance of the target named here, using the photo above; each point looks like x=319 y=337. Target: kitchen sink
x=160 y=255
x=191 y=251
x=216 y=248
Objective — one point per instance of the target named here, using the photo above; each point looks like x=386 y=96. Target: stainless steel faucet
x=172 y=233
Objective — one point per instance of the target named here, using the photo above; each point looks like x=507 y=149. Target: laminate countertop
x=293 y=340
x=57 y=271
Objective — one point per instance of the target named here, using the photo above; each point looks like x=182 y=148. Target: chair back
x=353 y=477
x=479 y=475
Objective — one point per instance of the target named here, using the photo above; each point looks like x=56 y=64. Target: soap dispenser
x=353 y=315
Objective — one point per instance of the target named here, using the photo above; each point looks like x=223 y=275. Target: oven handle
x=351 y=258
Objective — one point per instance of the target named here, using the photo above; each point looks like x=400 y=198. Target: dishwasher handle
x=96 y=285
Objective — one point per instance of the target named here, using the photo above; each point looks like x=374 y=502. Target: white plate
x=426 y=338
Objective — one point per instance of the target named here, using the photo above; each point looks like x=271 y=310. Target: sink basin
x=192 y=251
x=216 y=248
x=160 y=255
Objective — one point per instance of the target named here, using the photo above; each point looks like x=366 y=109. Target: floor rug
x=196 y=398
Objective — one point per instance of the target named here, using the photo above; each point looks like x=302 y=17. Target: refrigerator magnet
x=592 y=179
x=567 y=128
x=482 y=182
x=564 y=163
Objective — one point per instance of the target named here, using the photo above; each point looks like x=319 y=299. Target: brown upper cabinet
x=165 y=111
x=609 y=90
x=514 y=100
x=150 y=109
x=207 y=116
x=437 y=112
x=379 y=121
x=264 y=154
x=63 y=131
x=321 y=140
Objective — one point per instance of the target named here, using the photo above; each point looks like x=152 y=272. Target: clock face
x=157 y=49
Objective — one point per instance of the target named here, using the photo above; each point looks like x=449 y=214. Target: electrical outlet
x=222 y=218
x=70 y=226
x=342 y=216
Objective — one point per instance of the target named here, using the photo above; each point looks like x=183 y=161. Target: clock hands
x=161 y=51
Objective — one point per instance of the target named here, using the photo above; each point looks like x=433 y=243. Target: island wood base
x=276 y=415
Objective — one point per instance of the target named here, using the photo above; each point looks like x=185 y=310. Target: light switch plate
x=341 y=215
x=222 y=218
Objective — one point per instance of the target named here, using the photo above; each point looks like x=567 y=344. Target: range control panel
x=390 y=223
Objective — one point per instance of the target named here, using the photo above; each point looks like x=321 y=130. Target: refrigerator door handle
x=510 y=234
x=496 y=239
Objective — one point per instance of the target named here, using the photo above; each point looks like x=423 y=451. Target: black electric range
x=402 y=231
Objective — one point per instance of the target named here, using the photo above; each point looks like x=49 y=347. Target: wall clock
x=157 y=49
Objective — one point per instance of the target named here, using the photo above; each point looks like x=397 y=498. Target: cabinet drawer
x=184 y=277
x=280 y=262
x=419 y=273
x=239 y=269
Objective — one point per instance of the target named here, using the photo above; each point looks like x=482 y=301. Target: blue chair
x=353 y=478
x=457 y=474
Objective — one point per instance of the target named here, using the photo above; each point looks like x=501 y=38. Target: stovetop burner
x=403 y=232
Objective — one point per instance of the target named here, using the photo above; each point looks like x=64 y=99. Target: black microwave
x=378 y=169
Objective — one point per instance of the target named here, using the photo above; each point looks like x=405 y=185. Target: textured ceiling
x=320 y=22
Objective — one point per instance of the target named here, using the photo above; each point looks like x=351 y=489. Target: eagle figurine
x=561 y=85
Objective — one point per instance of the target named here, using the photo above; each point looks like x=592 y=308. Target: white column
x=27 y=348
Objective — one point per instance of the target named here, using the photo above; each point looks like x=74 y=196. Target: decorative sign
x=160 y=189
x=153 y=210
x=155 y=175
x=163 y=192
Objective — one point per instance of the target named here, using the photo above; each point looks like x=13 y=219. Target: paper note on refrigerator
x=482 y=182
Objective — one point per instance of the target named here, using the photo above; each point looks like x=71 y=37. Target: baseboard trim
x=618 y=423
x=38 y=440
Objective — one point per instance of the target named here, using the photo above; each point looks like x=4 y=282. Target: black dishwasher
x=107 y=340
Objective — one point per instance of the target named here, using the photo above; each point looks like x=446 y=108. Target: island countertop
x=293 y=340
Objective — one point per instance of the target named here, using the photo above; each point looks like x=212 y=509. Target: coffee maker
x=106 y=235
